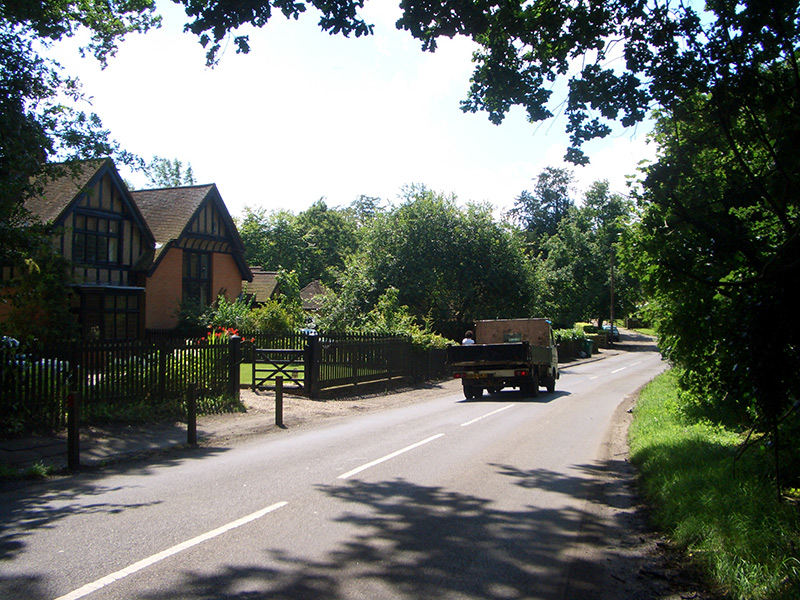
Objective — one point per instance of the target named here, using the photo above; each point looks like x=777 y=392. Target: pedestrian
x=469 y=338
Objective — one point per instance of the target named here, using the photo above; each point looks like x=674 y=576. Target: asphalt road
x=445 y=498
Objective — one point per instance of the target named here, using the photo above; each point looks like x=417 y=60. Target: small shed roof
x=263 y=285
x=311 y=295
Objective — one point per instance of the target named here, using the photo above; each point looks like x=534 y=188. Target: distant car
x=614 y=331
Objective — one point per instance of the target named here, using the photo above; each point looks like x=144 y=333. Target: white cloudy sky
x=307 y=115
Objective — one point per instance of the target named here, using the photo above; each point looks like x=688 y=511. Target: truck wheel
x=550 y=385
x=472 y=391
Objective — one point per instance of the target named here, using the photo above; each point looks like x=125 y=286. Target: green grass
x=246 y=374
x=35 y=471
x=731 y=524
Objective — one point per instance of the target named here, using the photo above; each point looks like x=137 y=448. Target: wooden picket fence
x=127 y=380
x=148 y=379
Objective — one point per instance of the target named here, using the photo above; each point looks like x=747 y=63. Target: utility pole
x=611 y=311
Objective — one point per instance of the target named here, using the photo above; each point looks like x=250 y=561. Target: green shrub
x=234 y=315
x=565 y=335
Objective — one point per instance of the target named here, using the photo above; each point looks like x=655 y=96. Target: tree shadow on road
x=43 y=505
x=417 y=541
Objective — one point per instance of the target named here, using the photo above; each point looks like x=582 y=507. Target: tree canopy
x=164 y=172
x=313 y=243
x=450 y=264
x=40 y=117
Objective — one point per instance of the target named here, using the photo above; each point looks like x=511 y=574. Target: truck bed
x=482 y=355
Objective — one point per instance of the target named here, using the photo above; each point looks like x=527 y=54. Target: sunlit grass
x=729 y=522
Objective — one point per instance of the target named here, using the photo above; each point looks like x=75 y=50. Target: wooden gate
x=269 y=363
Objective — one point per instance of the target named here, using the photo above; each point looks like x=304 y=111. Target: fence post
x=73 y=431
x=311 y=367
x=191 y=414
x=236 y=360
x=162 y=370
x=253 y=355
x=279 y=401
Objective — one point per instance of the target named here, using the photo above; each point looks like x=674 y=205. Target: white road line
x=618 y=370
x=389 y=457
x=143 y=564
x=494 y=412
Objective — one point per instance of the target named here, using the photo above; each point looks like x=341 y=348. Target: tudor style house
x=136 y=257
x=102 y=233
x=198 y=252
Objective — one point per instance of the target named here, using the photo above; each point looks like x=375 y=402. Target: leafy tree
x=39 y=120
x=314 y=243
x=717 y=246
x=578 y=259
x=450 y=265
x=39 y=299
x=328 y=236
x=539 y=213
x=165 y=173
x=365 y=208
x=271 y=239
x=349 y=298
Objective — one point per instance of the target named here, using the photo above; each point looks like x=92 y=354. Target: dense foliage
x=314 y=243
x=717 y=250
x=450 y=265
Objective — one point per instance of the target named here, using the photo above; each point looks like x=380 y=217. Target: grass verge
x=727 y=520
x=35 y=471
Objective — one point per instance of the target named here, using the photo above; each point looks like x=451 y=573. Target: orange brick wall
x=225 y=275
x=164 y=291
x=165 y=287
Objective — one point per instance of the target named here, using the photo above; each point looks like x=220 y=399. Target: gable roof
x=63 y=184
x=263 y=284
x=58 y=193
x=310 y=295
x=169 y=211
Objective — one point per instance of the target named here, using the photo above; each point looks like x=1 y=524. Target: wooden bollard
x=191 y=414
x=73 y=431
x=279 y=401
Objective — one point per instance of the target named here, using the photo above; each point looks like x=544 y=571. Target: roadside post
x=279 y=401
x=73 y=431
x=233 y=367
x=191 y=414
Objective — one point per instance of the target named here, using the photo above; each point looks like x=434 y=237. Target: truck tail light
x=459 y=375
x=522 y=373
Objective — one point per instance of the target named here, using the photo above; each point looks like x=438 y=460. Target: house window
x=197 y=277
x=121 y=316
x=96 y=240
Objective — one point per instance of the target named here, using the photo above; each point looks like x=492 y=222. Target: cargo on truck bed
x=517 y=353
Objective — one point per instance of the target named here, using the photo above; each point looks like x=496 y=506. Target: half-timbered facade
x=103 y=235
x=198 y=255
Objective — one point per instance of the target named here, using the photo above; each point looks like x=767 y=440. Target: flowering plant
x=219 y=335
